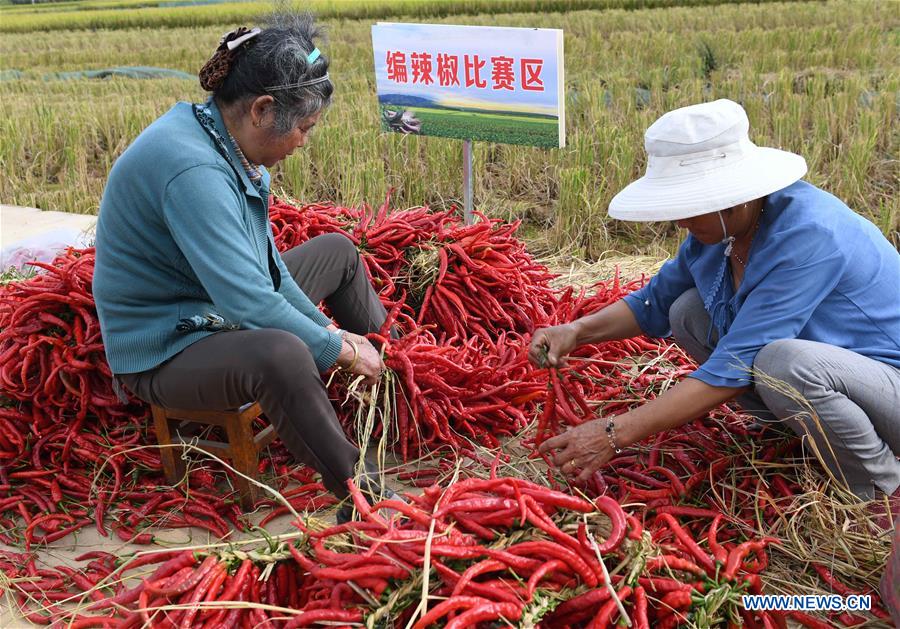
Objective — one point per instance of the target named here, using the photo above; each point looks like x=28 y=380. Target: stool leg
x=170 y=464
x=244 y=458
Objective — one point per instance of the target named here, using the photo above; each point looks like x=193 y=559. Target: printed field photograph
x=534 y=130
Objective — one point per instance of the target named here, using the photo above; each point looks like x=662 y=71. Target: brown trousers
x=274 y=367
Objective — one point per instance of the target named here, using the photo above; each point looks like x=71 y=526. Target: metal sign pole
x=467 y=181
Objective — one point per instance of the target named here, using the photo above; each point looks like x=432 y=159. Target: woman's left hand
x=359 y=340
x=356 y=338
x=581 y=450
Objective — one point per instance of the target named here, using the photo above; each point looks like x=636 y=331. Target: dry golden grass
x=816 y=78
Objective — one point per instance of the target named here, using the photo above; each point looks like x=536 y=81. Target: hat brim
x=763 y=172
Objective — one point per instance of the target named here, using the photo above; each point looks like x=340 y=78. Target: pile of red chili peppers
x=494 y=551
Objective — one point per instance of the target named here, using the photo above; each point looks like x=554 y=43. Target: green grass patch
x=125 y=14
x=489 y=127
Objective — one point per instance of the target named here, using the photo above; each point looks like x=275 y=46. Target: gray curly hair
x=276 y=57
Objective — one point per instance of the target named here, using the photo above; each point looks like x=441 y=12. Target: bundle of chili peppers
x=292 y=226
x=70 y=450
x=387 y=240
x=477 y=391
x=51 y=353
x=494 y=549
x=669 y=481
x=108 y=480
x=486 y=284
x=468 y=535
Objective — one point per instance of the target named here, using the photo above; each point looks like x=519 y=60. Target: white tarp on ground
x=28 y=234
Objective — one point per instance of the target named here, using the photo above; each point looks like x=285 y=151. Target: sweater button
x=647 y=303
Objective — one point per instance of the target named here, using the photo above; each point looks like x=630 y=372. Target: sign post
x=467 y=181
x=494 y=84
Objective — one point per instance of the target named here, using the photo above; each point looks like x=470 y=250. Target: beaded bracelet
x=611 y=435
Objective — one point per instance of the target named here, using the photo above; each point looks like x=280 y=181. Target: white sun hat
x=700 y=159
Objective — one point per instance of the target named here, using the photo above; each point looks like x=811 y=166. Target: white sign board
x=471 y=82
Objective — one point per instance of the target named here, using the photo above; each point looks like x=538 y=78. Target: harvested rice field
x=107 y=522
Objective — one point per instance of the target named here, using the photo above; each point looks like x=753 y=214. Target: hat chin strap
x=725 y=237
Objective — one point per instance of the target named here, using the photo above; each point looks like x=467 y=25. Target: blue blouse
x=816 y=271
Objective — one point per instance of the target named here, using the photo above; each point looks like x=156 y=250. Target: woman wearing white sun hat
x=776 y=277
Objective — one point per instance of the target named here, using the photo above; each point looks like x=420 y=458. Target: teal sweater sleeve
x=202 y=211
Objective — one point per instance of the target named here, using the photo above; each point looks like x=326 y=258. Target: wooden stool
x=241 y=450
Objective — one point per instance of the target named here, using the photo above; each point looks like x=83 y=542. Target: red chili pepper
x=486 y=611
x=754 y=583
x=720 y=554
x=540 y=573
x=670 y=562
x=233 y=617
x=213 y=576
x=579 y=607
x=447 y=606
x=604 y=617
x=674 y=601
x=84 y=622
x=337 y=574
x=482 y=567
x=613 y=510
x=635 y=530
x=52 y=537
x=808 y=621
x=690 y=512
x=305 y=619
x=189 y=580
x=486 y=591
x=736 y=556
x=829 y=578
x=544 y=422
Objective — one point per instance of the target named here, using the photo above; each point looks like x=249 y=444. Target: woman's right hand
x=368 y=364
x=550 y=346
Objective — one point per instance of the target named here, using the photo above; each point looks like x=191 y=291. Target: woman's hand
x=550 y=346
x=585 y=449
x=356 y=338
x=368 y=361
x=581 y=450
x=359 y=340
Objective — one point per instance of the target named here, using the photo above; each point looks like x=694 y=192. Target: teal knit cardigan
x=182 y=234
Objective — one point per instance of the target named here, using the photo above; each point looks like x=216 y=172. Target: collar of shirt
x=210 y=118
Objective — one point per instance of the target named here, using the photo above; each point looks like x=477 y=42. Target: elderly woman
x=778 y=287
x=197 y=308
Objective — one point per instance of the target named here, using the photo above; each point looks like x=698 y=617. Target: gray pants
x=274 y=367
x=856 y=399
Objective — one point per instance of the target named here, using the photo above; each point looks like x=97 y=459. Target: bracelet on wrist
x=355 y=354
x=611 y=436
